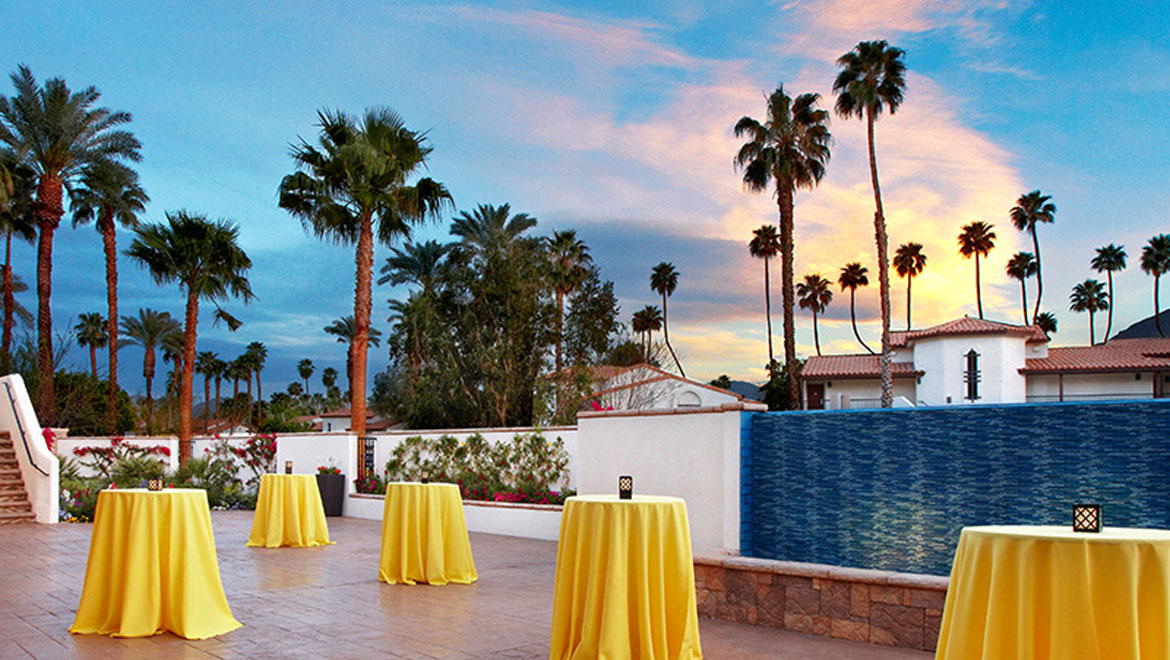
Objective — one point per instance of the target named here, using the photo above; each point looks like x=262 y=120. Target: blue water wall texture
x=891 y=489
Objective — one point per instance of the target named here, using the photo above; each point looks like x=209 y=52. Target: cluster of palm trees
x=650 y=319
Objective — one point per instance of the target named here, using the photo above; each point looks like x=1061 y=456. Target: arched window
x=688 y=400
x=971 y=375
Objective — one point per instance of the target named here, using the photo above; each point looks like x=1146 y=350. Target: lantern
x=288 y=467
x=1086 y=517
x=626 y=487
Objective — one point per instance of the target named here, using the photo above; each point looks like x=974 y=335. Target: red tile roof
x=968 y=326
x=1116 y=355
x=853 y=366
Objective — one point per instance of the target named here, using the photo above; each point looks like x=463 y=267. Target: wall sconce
x=1086 y=517
x=288 y=467
x=625 y=487
x=154 y=484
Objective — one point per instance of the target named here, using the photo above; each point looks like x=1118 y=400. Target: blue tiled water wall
x=891 y=489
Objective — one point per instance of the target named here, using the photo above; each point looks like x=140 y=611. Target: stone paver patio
x=327 y=602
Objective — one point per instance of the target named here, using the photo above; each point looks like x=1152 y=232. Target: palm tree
x=766 y=245
x=109 y=193
x=1020 y=267
x=16 y=218
x=1046 y=322
x=977 y=239
x=569 y=260
x=205 y=259
x=1109 y=260
x=305 y=368
x=872 y=77
x=148 y=330
x=219 y=371
x=1089 y=296
x=852 y=276
x=1156 y=262
x=58 y=133
x=909 y=261
x=238 y=370
x=345 y=330
x=664 y=280
x=354 y=179
x=206 y=363
x=790 y=149
x=645 y=321
x=328 y=378
x=1032 y=208
x=490 y=230
x=257 y=353
x=91 y=333
x=416 y=263
x=815 y=294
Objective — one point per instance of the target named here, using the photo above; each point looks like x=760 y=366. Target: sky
x=615 y=119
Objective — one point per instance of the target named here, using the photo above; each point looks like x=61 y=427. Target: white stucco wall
x=692 y=455
x=942 y=359
x=846 y=393
x=1091 y=387
x=663 y=393
x=42 y=489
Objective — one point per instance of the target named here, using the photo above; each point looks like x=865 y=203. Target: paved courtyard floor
x=327 y=602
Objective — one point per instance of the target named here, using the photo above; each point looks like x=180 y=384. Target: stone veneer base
x=880 y=607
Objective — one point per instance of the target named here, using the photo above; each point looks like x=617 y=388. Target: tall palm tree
x=1156 y=262
x=305 y=369
x=16 y=219
x=852 y=276
x=909 y=261
x=353 y=182
x=57 y=132
x=1020 y=267
x=490 y=230
x=416 y=263
x=1109 y=259
x=206 y=363
x=873 y=78
x=765 y=245
x=329 y=377
x=1032 y=208
x=148 y=330
x=1046 y=322
x=110 y=194
x=238 y=370
x=664 y=280
x=257 y=353
x=1089 y=296
x=815 y=294
x=788 y=149
x=91 y=334
x=219 y=371
x=645 y=321
x=345 y=330
x=569 y=265
x=205 y=259
x=977 y=239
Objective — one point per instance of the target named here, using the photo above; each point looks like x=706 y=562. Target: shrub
x=372 y=484
x=259 y=454
x=78 y=499
x=102 y=460
x=131 y=471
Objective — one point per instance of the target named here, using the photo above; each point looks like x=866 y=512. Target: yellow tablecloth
x=152 y=567
x=289 y=513
x=1047 y=592
x=625 y=585
x=424 y=536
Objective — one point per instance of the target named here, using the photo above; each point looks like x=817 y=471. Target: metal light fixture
x=154 y=484
x=625 y=487
x=1087 y=518
x=288 y=467
x=425 y=477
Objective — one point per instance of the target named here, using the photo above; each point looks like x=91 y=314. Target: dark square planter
x=332 y=487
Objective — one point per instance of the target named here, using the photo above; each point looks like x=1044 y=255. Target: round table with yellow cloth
x=1026 y=592
x=625 y=584
x=289 y=513
x=152 y=567
x=424 y=536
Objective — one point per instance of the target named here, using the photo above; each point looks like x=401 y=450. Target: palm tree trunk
x=560 y=341
x=1157 y=307
x=206 y=403
x=361 y=321
x=787 y=295
x=1092 y=337
x=666 y=337
x=217 y=395
x=1039 y=280
x=148 y=374
x=259 y=398
x=816 y=333
x=1109 y=324
x=187 y=375
x=853 y=319
x=93 y=360
x=111 y=250
x=909 y=284
x=768 y=312
x=1024 y=298
x=9 y=308
x=978 y=290
x=48 y=212
x=879 y=229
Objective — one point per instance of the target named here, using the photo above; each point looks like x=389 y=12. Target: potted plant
x=331 y=483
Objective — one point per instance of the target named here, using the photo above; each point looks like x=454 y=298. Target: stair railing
x=20 y=427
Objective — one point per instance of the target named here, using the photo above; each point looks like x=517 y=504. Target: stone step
x=14 y=505
x=11 y=484
x=18 y=517
x=9 y=472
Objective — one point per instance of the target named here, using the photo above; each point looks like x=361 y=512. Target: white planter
x=534 y=521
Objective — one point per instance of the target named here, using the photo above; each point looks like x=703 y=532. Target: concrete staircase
x=14 y=505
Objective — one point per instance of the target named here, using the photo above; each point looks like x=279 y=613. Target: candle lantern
x=288 y=467
x=1087 y=518
x=425 y=477
x=626 y=487
x=154 y=484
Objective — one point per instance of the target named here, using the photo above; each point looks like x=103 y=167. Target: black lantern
x=425 y=477
x=1086 y=517
x=288 y=467
x=154 y=484
x=625 y=487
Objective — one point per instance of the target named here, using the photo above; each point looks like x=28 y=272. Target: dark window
x=971 y=375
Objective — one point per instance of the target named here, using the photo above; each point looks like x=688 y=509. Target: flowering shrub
x=104 y=460
x=259 y=454
x=49 y=436
x=78 y=499
x=372 y=484
x=328 y=469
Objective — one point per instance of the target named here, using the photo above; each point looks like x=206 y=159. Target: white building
x=644 y=387
x=971 y=361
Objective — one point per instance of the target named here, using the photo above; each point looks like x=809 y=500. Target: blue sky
x=616 y=119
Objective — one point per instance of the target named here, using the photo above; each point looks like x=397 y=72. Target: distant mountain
x=746 y=390
x=1145 y=328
